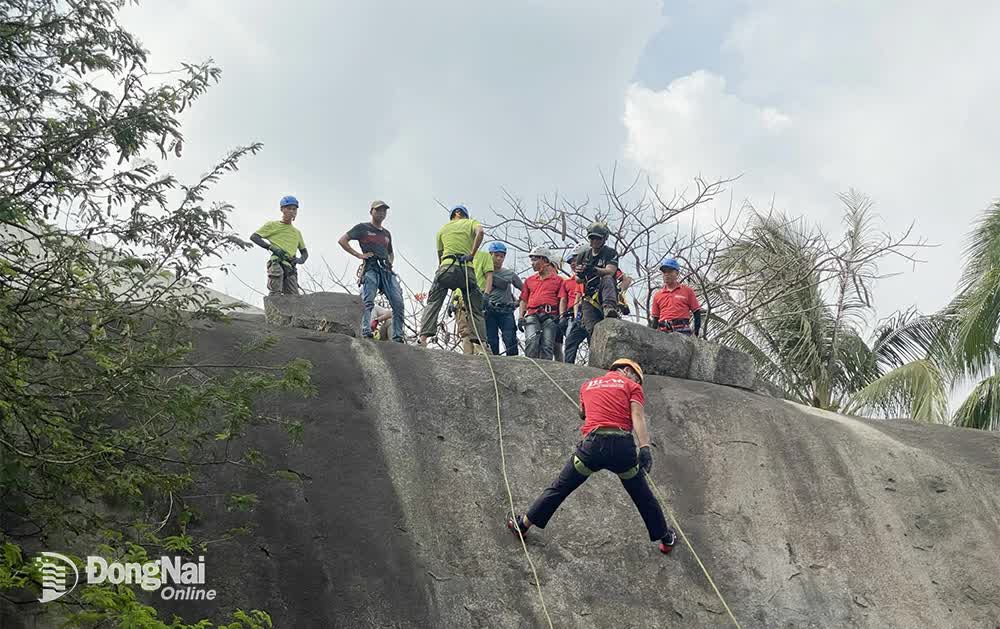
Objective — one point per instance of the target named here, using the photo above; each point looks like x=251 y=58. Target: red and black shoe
x=516 y=525
x=668 y=541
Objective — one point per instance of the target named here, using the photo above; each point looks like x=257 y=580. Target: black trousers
x=576 y=336
x=597 y=452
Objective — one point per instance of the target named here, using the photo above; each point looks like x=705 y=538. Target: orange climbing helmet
x=626 y=362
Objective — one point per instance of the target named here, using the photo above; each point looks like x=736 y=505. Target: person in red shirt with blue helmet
x=675 y=303
x=611 y=407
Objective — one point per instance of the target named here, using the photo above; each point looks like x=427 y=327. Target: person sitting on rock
x=675 y=303
x=381 y=325
x=543 y=302
x=376 y=273
x=283 y=240
x=596 y=269
x=611 y=407
x=457 y=244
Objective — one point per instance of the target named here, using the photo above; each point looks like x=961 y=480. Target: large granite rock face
x=672 y=355
x=390 y=511
x=325 y=312
x=716 y=363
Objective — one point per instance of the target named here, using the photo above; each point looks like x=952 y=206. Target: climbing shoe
x=668 y=541
x=517 y=525
x=611 y=312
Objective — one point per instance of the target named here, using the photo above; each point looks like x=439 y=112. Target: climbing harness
x=665 y=504
x=503 y=466
x=682 y=326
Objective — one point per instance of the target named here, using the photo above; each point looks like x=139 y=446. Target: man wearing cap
x=500 y=303
x=283 y=240
x=543 y=302
x=612 y=409
x=457 y=244
x=376 y=274
x=675 y=303
x=596 y=269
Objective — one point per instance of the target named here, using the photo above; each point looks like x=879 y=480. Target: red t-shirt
x=538 y=292
x=678 y=303
x=573 y=288
x=607 y=401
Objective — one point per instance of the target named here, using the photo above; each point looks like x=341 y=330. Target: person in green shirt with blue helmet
x=457 y=244
x=283 y=240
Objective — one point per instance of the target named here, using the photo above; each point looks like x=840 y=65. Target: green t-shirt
x=482 y=263
x=457 y=237
x=285 y=236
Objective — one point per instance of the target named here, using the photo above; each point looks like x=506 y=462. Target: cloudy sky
x=452 y=100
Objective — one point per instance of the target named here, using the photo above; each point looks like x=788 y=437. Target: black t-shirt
x=372 y=239
x=600 y=260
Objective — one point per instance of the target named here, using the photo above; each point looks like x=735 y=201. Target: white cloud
x=897 y=102
x=402 y=101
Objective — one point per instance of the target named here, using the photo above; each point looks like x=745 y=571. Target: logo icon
x=55 y=575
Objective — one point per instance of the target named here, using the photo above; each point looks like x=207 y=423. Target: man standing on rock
x=612 y=408
x=377 y=274
x=595 y=269
x=675 y=303
x=500 y=303
x=573 y=333
x=457 y=244
x=543 y=299
x=283 y=241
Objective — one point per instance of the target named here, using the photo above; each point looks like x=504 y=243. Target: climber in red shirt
x=675 y=303
x=611 y=407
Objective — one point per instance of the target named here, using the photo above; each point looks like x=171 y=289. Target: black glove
x=521 y=323
x=278 y=251
x=564 y=324
x=645 y=459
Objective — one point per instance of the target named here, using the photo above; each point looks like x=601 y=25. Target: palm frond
x=916 y=390
x=981 y=409
x=907 y=336
x=978 y=303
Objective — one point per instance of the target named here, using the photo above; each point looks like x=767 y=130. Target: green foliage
x=813 y=297
x=982 y=407
x=978 y=302
x=102 y=411
x=242 y=502
x=797 y=302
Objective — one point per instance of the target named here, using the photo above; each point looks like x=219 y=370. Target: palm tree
x=799 y=305
x=801 y=301
x=931 y=355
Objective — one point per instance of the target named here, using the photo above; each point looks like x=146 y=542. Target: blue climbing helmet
x=459 y=208
x=497 y=247
x=670 y=263
x=288 y=200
